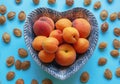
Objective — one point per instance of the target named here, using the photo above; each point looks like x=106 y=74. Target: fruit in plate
x=58 y=35
x=70 y=34
x=63 y=23
x=50 y=44
x=46 y=57
x=81 y=46
x=42 y=28
x=65 y=55
x=48 y=20
x=37 y=42
x=83 y=26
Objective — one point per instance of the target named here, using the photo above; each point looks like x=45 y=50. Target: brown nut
x=103 y=14
x=87 y=2
x=117 y=31
x=11 y=15
x=18 y=64
x=51 y=1
x=119 y=15
x=10 y=61
x=10 y=75
x=116 y=44
x=3 y=9
x=102 y=45
x=102 y=61
x=110 y=1
x=2 y=19
x=34 y=81
x=25 y=65
x=69 y=2
x=108 y=74
x=17 y=32
x=47 y=81
x=118 y=72
x=84 y=77
x=113 y=16
x=21 y=16
x=18 y=1
x=114 y=53
x=97 y=5
x=36 y=1
x=22 y=52
x=20 y=81
x=104 y=27
x=6 y=37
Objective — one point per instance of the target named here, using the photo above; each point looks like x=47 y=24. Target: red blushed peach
x=50 y=45
x=58 y=35
x=42 y=28
x=70 y=35
x=83 y=26
x=65 y=55
x=48 y=20
x=46 y=57
x=81 y=46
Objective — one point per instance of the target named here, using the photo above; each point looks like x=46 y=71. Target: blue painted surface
x=35 y=72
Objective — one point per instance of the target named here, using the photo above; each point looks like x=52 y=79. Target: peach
x=46 y=57
x=50 y=44
x=37 y=42
x=58 y=35
x=81 y=46
x=63 y=23
x=83 y=26
x=65 y=55
x=70 y=35
x=42 y=28
x=48 y=20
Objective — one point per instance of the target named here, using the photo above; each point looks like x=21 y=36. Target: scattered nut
x=110 y=1
x=10 y=75
x=3 y=9
x=69 y=2
x=117 y=31
x=11 y=15
x=17 y=32
x=116 y=44
x=108 y=74
x=6 y=37
x=114 y=53
x=22 y=16
x=20 y=81
x=118 y=72
x=2 y=19
x=18 y=1
x=25 y=65
x=119 y=15
x=51 y=1
x=22 y=52
x=34 y=81
x=18 y=64
x=10 y=61
x=102 y=61
x=102 y=45
x=47 y=81
x=104 y=27
x=97 y=5
x=113 y=16
x=36 y=1
x=103 y=14
x=84 y=77
x=87 y=2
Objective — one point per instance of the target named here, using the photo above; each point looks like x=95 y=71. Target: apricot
x=46 y=57
x=50 y=44
x=83 y=26
x=81 y=46
x=63 y=23
x=37 y=42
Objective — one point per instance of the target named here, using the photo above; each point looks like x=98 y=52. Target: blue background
x=35 y=72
